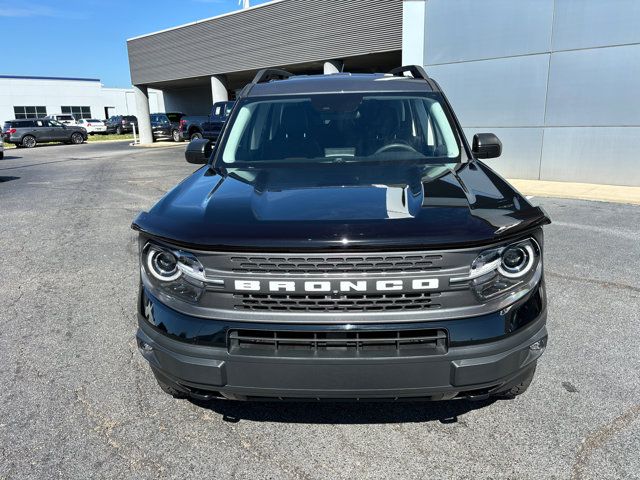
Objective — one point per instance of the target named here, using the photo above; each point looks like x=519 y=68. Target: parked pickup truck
x=206 y=126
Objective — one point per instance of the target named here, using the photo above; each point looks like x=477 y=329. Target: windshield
x=341 y=128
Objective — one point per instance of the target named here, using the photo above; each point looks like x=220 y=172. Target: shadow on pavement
x=343 y=412
x=7 y=179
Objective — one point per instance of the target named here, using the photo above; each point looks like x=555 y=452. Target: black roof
x=340 y=82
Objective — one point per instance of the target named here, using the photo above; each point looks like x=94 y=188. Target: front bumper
x=469 y=369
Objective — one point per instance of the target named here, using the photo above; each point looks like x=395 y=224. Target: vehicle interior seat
x=293 y=138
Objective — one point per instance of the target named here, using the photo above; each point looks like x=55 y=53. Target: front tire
x=29 y=141
x=167 y=388
x=519 y=388
x=119 y=131
x=195 y=136
x=77 y=138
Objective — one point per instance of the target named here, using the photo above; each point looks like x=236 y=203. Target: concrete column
x=414 y=27
x=142 y=113
x=333 y=66
x=219 y=92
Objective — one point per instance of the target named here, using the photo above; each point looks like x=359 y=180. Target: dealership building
x=556 y=80
x=35 y=97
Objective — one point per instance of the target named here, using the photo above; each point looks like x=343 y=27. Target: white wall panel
x=461 y=30
x=606 y=155
x=521 y=149
x=413 y=21
x=56 y=93
x=595 y=87
x=506 y=92
x=595 y=23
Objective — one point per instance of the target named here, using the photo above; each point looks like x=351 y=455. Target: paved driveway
x=78 y=401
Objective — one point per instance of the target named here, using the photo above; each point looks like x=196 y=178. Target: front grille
x=343 y=343
x=341 y=303
x=315 y=264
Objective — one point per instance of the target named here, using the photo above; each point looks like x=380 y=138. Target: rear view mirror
x=486 y=145
x=199 y=151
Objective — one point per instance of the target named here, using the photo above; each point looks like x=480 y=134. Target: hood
x=340 y=206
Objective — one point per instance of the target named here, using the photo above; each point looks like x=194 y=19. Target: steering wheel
x=395 y=146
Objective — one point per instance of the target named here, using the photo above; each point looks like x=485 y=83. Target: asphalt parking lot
x=78 y=401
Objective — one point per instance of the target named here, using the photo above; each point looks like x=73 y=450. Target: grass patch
x=109 y=136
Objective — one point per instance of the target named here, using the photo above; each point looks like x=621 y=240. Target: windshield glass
x=341 y=128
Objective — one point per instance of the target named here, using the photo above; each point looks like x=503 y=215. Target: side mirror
x=486 y=145
x=199 y=151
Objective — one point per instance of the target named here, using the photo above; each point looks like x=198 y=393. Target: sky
x=87 y=38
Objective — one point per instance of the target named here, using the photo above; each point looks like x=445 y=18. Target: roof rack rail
x=416 y=70
x=265 y=75
x=418 y=73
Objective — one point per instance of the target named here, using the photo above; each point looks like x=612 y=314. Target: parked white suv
x=64 y=118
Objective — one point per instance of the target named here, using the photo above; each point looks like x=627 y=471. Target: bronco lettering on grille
x=416 y=284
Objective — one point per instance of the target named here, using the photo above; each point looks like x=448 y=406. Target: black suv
x=29 y=132
x=342 y=241
x=121 y=124
x=166 y=125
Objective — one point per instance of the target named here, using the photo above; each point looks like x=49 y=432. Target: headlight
x=511 y=269
x=163 y=264
x=517 y=261
x=176 y=273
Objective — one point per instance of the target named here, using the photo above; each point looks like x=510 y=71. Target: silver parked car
x=29 y=132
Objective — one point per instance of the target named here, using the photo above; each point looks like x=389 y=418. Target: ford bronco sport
x=342 y=241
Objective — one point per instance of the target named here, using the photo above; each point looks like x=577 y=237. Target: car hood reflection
x=322 y=206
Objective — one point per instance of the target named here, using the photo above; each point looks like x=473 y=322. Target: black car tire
x=195 y=136
x=167 y=388
x=175 y=135
x=119 y=130
x=29 y=141
x=518 y=389
x=1 y=155
x=171 y=391
x=77 y=138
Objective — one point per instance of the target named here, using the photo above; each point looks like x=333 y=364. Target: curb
x=159 y=145
x=579 y=191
